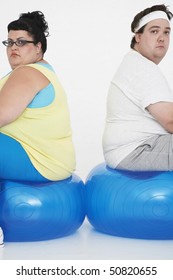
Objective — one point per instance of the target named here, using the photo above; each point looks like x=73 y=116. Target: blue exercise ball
x=35 y=212
x=130 y=204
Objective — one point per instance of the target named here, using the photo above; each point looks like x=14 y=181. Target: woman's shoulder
x=46 y=65
x=41 y=65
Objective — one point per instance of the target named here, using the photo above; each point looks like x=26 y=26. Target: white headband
x=151 y=16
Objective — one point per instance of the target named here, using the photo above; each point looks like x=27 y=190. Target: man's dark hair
x=137 y=18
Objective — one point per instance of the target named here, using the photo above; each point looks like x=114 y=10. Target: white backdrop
x=88 y=39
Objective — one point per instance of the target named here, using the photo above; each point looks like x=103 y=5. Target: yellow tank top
x=45 y=133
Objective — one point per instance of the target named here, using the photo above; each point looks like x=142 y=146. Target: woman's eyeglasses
x=18 y=42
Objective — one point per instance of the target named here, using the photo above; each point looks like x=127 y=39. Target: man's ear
x=138 y=37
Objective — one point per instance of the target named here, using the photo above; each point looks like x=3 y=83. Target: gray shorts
x=154 y=154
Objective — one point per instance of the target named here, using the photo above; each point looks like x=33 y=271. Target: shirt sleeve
x=142 y=81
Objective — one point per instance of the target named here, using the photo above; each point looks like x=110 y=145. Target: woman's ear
x=38 y=45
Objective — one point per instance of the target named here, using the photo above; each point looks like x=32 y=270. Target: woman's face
x=22 y=55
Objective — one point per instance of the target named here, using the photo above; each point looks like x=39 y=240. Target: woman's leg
x=1 y=238
x=15 y=163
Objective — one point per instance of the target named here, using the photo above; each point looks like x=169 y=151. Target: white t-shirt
x=137 y=83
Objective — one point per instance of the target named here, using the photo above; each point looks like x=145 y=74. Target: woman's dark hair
x=143 y=13
x=35 y=24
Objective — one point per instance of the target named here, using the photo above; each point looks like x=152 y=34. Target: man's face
x=153 y=43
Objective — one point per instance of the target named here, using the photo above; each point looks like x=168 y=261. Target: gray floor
x=86 y=243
